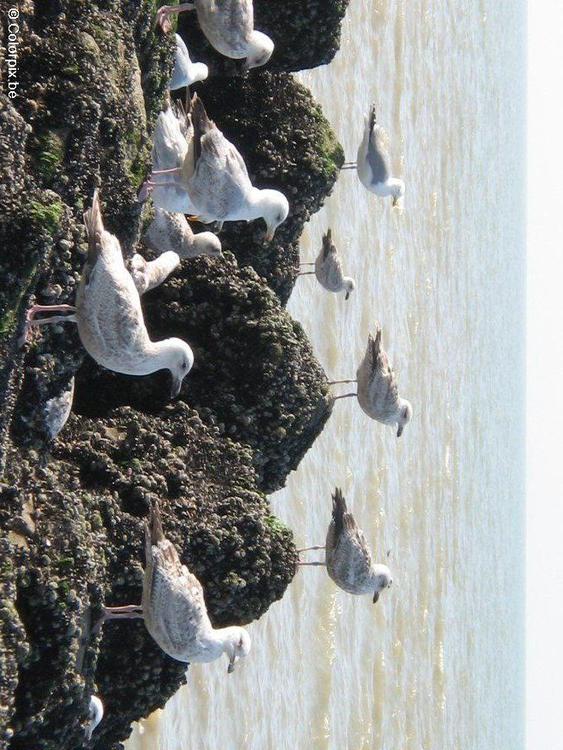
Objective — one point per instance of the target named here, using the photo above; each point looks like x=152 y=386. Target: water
x=438 y=662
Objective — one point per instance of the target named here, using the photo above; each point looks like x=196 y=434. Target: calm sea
x=438 y=662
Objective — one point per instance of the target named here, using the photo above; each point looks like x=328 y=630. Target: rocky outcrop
x=92 y=77
x=305 y=35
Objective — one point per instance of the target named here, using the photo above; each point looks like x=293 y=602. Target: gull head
x=397 y=191
x=207 y=243
x=237 y=645
x=180 y=359
x=273 y=207
x=349 y=286
x=405 y=415
x=260 y=48
x=382 y=580
x=95 y=715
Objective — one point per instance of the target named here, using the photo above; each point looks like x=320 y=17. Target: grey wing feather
x=377 y=157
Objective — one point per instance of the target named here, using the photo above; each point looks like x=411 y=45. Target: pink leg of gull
x=31 y=320
x=164 y=13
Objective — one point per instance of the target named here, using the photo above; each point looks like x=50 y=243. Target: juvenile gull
x=373 y=162
x=171 y=231
x=172 y=158
x=378 y=392
x=229 y=28
x=185 y=71
x=58 y=409
x=214 y=175
x=328 y=268
x=109 y=316
x=95 y=715
x=348 y=557
x=149 y=274
x=173 y=607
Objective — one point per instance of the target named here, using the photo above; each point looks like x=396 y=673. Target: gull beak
x=176 y=387
x=231 y=667
x=395 y=201
x=347 y=295
x=400 y=429
x=270 y=235
x=375 y=597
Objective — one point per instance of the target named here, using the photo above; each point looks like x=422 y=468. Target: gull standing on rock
x=348 y=557
x=328 y=269
x=214 y=175
x=171 y=232
x=378 y=392
x=229 y=28
x=173 y=607
x=109 y=316
x=185 y=71
x=373 y=162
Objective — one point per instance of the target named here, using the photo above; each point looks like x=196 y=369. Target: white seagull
x=212 y=174
x=185 y=71
x=171 y=231
x=328 y=269
x=348 y=556
x=95 y=715
x=229 y=28
x=378 y=392
x=109 y=316
x=173 y=607
x=373 y=162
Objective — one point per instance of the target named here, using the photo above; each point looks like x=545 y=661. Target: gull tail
x=339 y=510
x=94 y=228
x=372 y=117
x=201 y=123
x=154 y=527
x=376 y=343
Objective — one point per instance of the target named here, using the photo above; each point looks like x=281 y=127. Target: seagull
x=171 y=231
x=348 y=557
x=95 y=715
x=229 y=28
x=373 y=162
x=328 y=268
x=378 y=392
x=147 y=275
x=213 y=175
x=58 y=409
x=173 y=607
x=185 y=72
x=109 y=316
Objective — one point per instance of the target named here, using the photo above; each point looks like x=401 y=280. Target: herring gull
x=328 y=269
x=229 y=28
x=213 y=175
x=173 y=607
x=95 y=715
x=109 y=316
x=348 y=557
x=185 y=71
x=378 y=392
x=373 y=162
x=171 y=231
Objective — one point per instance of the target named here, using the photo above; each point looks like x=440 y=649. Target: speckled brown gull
x=213 y=175
x=185 y=71
x=109 y=316
x=229 y=28
x=378 y=392
x=172 y=232
x=173 y=607
x=348 y=557
x=373 y=162
x=328 y=268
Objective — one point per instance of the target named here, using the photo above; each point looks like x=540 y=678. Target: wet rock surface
x=92 y=78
